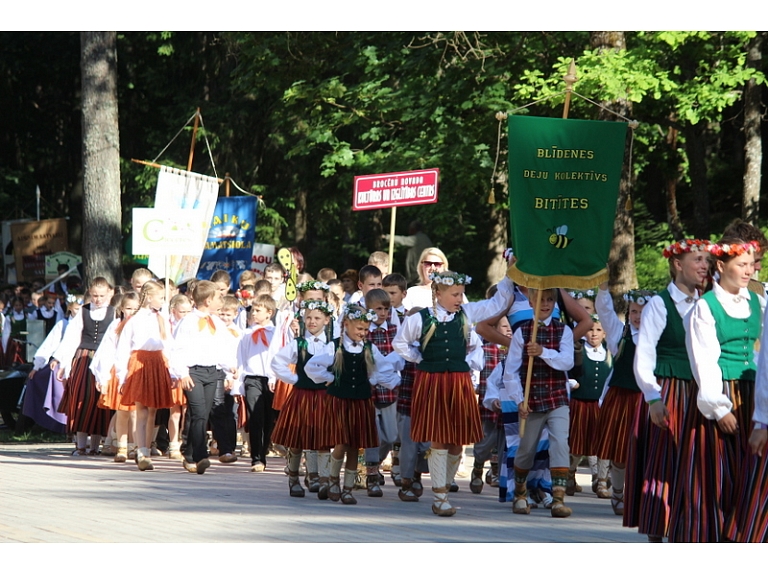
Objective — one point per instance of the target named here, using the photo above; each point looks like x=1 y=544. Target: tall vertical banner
x=564 y=178
x=229 y=246
x=179 y=189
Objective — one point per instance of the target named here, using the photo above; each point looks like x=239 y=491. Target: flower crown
x=685 y=247
x=586 y=294
x=639 y=296
x=449 y=278
x=324 y=307
x=74 y=298
x=355 y=313
x=594 y=317
x=313 y=285
x=733 y=250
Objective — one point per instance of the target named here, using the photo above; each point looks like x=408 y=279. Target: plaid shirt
x=493 y=355
x=405 y=393
x=548 y=386
x=382 y=339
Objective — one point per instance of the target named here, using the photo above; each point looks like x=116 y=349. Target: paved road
x=49 y=496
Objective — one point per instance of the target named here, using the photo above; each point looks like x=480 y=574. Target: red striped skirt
x=304 y=421
x=444 y=409
x=614 y=423
x=112 y=398
x=750 y=523
x=662 y=452
x=81 y=399
x=242 y=412
x=352 y=422
x=583 y=436
x=148 y=381
x=282 y=392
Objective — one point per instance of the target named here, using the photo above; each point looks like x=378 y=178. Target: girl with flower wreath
x=302 y=423
x=444 y=409
x=663 y=374
x=715 y=461
x=350 y=367
x=621 y=396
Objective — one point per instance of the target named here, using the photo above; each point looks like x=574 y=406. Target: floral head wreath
x=685 y=247
x=733 y=250
x=594 y=317
x=449 y=278
x=324 y=307
x=313 y=285
x=586 y=294
x=639 y=296
x=74 y=298
x=356 y=313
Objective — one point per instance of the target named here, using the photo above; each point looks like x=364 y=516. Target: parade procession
x=202 y=339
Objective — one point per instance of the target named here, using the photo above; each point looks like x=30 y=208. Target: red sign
x=395 y=190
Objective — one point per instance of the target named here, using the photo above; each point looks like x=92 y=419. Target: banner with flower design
x=564 y=180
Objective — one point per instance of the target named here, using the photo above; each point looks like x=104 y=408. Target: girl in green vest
x=663 y=374
x=621 y=397
x=715 y=460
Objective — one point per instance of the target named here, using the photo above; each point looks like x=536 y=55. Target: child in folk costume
x=596 y=362
x=303 y=420
x=621 y=397
x=141 y=366
x=17 y=321
x=548 y=402
x=73 y=358
x=179 y=306
x=224 y=418
x=202 y=352
x=444 y=409
x=715 y=459
x=350 y=367
x=103 y=368
x=254 y=357
x=381 y=332
x=663 y=374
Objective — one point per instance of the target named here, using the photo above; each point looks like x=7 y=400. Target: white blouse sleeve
x=703 y=352
x=609 y=319
x=492 y=386
x=511 y=379
x=288 y=355
x=652 y=324
x=384 y=372
x=406 y=342
x=318 y=368
x=760 y=414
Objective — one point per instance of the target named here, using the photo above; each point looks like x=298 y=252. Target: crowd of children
x=669 y=404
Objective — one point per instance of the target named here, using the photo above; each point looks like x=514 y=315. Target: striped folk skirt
x=111 y=397
x=352 y=422
x=444 y=409
x=750 y=523
x=584 y=430
x=80 y=401
x=305 y=422
x=148 y=381
x=714 y=470
x=617 y=415
x=661 y=456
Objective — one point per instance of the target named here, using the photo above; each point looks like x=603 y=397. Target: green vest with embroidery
x=592 y=378
x=623 y=365
x=671 y=355
x=447 y=348
x=737 y=338
x=17 y=327
x=304 y=382
x=352 y=382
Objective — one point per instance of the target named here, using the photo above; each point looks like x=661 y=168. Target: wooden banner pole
x=534 y=333
x=392 y=220
x=194 y=137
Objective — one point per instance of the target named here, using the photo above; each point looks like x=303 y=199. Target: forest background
x=293 y=117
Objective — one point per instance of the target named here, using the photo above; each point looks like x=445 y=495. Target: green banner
x=563 y=184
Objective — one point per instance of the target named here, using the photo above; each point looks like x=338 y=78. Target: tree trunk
x=671 y=178
x=300 y=221
x=697 y=162
x=753 y=147
x=621 y=260
x=102 y=213
x=499 y=236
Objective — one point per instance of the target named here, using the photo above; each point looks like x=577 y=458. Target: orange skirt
x=112 y=398
x=444 y=409
x=582 y=437
x=305 y=421
x=353 y=422
x=178 y=396
x=282 y=391
x=614 y=423
x=148 y=381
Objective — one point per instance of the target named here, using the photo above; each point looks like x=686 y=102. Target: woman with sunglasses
x=432 y=260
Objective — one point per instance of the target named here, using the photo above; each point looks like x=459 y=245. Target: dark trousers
x=199 y=404
x=261 y=416
x=223 y=422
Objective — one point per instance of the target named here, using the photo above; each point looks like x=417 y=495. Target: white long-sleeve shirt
x=194 y=345
x=560 y=359
x=104 y=357
x=74 y=334
x=49 y=345
x=406 y=342
x=704 y=349
x=760 y=414
x=289 y=354
x=652 y=324
x=256 y=358
x=141 y=332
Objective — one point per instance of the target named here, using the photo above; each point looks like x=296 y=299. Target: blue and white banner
x=231 y=237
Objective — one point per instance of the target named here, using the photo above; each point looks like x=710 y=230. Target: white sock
x=617 y=478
